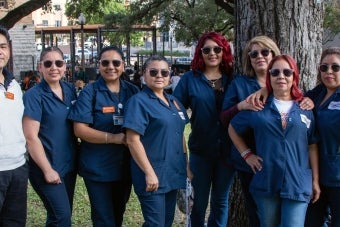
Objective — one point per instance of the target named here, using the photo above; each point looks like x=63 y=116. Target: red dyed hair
x=226 y=65
x=295 y=92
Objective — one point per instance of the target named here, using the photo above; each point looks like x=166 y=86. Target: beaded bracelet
x=244 y=153
x=247 y=155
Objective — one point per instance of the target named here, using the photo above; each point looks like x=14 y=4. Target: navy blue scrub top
x=56 y=132
x=97 y=106
x=285 y=170
x=208 y=135
x=328 y=126
x=161 y=129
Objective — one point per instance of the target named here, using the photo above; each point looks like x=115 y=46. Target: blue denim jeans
x=13 y=196
x=57 y=198
x=275 y=211
x=212 y=177
x=317 y=212
x=158 y=209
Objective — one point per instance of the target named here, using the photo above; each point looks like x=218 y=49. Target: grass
x=36 y=213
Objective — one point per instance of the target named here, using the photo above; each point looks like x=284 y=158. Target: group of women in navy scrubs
x=155 y=138
x=286 y=163
x=104 y=159
x=51 y=143
x=283 y=182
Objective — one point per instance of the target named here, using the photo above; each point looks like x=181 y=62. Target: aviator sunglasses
x=207 y=50
x=58 y=63
x=255 y=53
x=276 y=72
x=115 y=63
x=324 y=68
x=154 y=72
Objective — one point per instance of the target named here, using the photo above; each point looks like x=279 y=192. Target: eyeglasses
x=255 y=53
x=324 y=68
x=207 y=50
x=154 y=72
x=58 y=63
x=276 y=72
x=106 y=63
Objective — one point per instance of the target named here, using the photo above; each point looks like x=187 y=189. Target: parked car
x=67 y=58
x=88 y=45
x=87 y=54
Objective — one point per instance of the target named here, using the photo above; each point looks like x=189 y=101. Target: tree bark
x=296 y=26
x=237 y=215
x=13 y=16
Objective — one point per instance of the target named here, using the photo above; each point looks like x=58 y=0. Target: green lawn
x=36 y=214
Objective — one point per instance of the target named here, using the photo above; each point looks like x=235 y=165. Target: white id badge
x=118 y=120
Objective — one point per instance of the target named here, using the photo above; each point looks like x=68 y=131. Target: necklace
x=213 y=82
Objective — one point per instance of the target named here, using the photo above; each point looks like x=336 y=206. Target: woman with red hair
x=202 y=90
x=286 y=163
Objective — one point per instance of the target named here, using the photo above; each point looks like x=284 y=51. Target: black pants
x=13 y=197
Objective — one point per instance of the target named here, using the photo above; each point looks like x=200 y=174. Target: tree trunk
x=237 y=215
x=296 y=26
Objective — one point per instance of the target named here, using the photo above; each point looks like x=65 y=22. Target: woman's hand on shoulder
x=306 y=104
x=244 y=105
x=258 y=98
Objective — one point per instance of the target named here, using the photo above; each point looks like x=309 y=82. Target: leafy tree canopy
x=187 y=19
x=331 y=22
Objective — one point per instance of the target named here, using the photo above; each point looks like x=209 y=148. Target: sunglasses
x=58 y=63
x=207 y=50
x=324 y=68
x=255 y=53
x=276 y=72
x=154 y=72
x=106 y=63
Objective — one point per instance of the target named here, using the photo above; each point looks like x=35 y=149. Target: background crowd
x=283 y=144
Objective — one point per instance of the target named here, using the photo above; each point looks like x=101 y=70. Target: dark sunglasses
x=106 y=63
x=276 y=72
x=255 y=53
x=154 y=72
x=58 y=63
x=207 y=50
x=324 y=68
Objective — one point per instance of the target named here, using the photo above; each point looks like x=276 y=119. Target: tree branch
x=13 y=16
x=227 y=5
